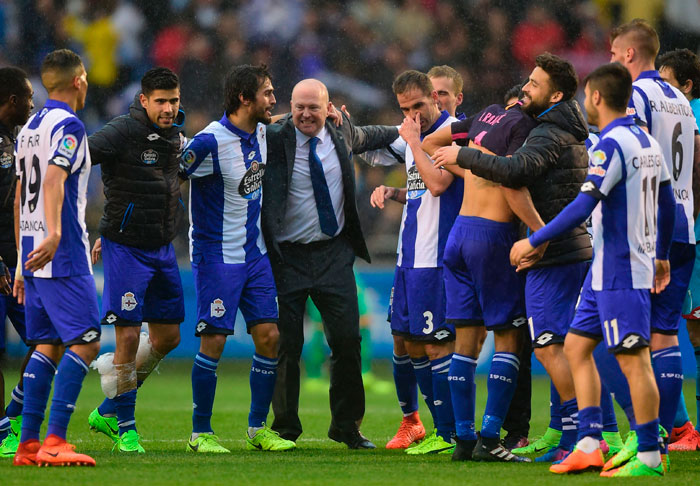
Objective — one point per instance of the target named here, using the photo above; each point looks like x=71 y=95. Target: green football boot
x=634 y=468
x=129 y=442
x=433 y=444
x=266 y=439
x=628 y=451
x=543 y=444
x=614 y=442
x=206 y=443
x=8 y=446
x=16 y=425
x=105 y=425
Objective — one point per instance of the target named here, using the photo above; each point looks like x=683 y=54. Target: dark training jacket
x=552 y=163
x=140 y=163
x=8 y=250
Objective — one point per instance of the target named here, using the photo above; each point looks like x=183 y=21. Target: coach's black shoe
x=491 y=450
x=353 y=439
x=463 y=450
x=514 y=441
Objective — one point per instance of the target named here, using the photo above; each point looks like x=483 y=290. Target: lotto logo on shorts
x=217 y=308
x=129 y=301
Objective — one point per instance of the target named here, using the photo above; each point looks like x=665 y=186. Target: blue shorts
x=551 y=294
x=418 y=305
x=9 y=308
x=141 y=285
x=622 y=317
x=482 y=286
x=61 y=310
x=223 y=288
x=667 y=307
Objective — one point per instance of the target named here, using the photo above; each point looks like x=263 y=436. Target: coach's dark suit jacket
x=323 y=271
x=281 y=149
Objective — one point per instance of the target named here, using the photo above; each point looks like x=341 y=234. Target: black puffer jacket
x=8 y=250
x=553 y=164
x=143 y=206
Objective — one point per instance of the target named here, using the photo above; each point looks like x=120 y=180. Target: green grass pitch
x=163 y=414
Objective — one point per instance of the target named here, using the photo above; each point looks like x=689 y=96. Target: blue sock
x=406 y=384
x=569 y=420
x=14 y=408
x=263 y=375
x=614 y=379
x=107 y=408
x=38 y=376
x=554 y=408
x=697 y=387
x=648 y=436
x=445 y=424
x=606 y=403
x=126 y=410
x=682 y=413
x=424 y=377
x=4 y=428
x=463 y=390
x=590 y=423
x=203 y=391
x=69 y=380
x=503 y=378
x=668 y=369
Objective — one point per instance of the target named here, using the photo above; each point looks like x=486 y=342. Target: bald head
x=310 y=106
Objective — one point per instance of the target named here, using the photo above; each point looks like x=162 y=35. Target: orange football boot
x=26 y=453
x=679 y=432
x=411 y=430
x=57 y=452
x=578 y=461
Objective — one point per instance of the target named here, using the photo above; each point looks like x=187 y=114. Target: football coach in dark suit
x=313 y=234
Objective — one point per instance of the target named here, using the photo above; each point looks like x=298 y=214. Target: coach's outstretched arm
x=523 y=168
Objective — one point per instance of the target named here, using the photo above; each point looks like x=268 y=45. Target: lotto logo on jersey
x=414 y=184
x=68 y=145
x=217 y=308
x=250 y=186
x=129 y=302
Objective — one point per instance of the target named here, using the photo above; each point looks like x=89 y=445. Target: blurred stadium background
x=356 y=47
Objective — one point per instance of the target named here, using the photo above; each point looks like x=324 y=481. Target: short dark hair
x=412 y=79
x=159 y=78
x=13 y=81
x=64 y=63
x=614 y=83
x=243 y=80
x=686 y=67
x=448 y=72
x=645 y=38
x=514 y=92
x=561 y=73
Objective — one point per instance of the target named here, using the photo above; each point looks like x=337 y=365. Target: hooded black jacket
x=140 y=162
x=552 y=163
x=8 y=250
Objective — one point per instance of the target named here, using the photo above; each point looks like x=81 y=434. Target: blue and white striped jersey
x=225 y=166
x=625 y=170
x=54 y=136
x=426 y=219
x=670 y=120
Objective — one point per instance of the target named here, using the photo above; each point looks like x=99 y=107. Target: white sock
x=650 y=458
x=588 y=445
x=252 y=431
x=194 y=436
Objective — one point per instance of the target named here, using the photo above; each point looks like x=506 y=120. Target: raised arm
x=436 y=180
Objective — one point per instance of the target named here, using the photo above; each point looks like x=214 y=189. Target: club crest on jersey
x=598 y=157
x=5 y=160
x=129 y=301
x=250 y=186
x=414 y=184
x=217 y=308
x=68 y=145
x=149 y=157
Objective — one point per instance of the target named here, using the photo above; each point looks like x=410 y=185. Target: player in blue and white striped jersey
x=58 y=289
x=225 y=163
x=627 y=182
x=432 y=200
x=669 y=118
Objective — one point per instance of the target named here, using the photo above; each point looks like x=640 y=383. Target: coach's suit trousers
x=323 y=271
